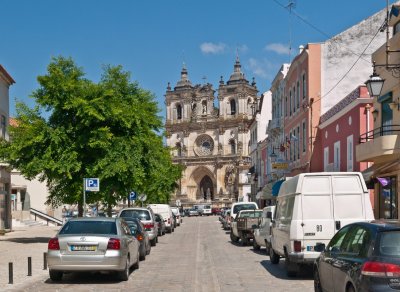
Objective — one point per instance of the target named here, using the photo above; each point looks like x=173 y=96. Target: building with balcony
x=381 y=145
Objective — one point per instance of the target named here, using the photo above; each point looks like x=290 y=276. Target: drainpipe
x=367 y=110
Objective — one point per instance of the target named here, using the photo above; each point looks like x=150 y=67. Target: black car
x=138 y=230
x=361 y=256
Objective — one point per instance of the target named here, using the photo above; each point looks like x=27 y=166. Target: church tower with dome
x=209 y=135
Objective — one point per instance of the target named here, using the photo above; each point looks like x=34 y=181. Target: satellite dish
x=142 y=197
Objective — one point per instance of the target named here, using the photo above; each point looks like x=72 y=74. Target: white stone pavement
x=16 y=246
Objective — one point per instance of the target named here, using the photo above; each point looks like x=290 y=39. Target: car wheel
x=153 y=241
x=157 y=239
x=124 y=275
x=149 y=249
x=317 y=281
x=233 y=237
x=273 y=257
x=142 y=256
x=255 y=245
x=55 y=275
x=136 y=265
x=291 y=268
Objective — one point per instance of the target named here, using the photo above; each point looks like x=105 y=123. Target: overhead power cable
x=314 y=27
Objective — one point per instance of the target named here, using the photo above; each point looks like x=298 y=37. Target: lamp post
x=374 y=84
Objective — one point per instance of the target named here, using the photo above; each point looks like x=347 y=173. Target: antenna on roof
x=290 y=6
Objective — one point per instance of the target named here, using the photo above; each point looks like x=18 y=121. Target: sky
x=152 y=39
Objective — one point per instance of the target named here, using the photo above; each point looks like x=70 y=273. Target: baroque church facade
x=209 y=136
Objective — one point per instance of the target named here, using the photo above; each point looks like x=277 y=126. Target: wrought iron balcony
x=379 y=132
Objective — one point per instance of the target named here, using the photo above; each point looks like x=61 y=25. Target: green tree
x=106 y=129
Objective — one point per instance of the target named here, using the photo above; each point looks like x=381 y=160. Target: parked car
x=175 y=211
x=226 y=221
x=262 y=234
x=93 y=244
x=161 y=224
x=311 y=207
x=215 y=211
x=174 y=220
x=165 y=211
x=206 y=211
x=237 y=207
x=145 y=215
x=360 y=257
x=137 y=228
x=193 y=212
x=243 y=226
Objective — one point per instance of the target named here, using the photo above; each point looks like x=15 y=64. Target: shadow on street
x=29 y=240
x=279 y=271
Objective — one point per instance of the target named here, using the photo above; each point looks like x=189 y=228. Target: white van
x=237 y=207
x=311 y=208
x=165 y=211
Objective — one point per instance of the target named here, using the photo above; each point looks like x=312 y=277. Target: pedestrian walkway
x=16 y=247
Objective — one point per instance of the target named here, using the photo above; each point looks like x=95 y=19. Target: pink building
x=339 y=132
x=302 y=110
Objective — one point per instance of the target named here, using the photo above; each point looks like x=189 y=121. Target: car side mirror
x=254 y=226
x=319 y=247
x=269 y=215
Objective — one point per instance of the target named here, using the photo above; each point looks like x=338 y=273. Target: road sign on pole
x=92 y=184
x=132 y=196
x=89 y=185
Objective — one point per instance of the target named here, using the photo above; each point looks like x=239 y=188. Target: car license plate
x=310 y=248
x=83 y=247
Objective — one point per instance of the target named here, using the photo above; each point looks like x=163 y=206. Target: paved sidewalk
x=16 y=247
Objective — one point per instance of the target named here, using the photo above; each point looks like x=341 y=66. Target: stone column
x=19 y=202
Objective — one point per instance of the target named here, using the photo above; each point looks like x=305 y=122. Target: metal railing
x=46 y=217
x=378 y=132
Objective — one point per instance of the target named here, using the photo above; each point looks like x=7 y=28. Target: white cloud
x=211 y=48
x=280 y=49
x=261 y=68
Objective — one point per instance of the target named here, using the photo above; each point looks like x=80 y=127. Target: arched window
x=178 y=111
x=233 y=106
x=204 y=107
x=178 y=149
x=233 y=146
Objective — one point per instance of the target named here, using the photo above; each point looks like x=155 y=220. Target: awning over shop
x=374 y=171
x=276 y=186
x=265 y=194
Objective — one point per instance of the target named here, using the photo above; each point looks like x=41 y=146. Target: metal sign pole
x=84 y=198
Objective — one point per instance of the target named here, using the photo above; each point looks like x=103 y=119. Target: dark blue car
x=360 y=257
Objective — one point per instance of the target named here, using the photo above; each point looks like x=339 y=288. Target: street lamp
x=374 y=84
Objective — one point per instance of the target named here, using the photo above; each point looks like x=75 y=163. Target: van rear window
x=241 y=207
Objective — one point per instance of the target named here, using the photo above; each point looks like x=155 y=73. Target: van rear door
x=317 y=210
x=348 y=200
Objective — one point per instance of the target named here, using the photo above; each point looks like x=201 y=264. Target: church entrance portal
x=206 y=188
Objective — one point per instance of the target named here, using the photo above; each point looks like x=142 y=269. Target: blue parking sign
x=132 y=196
x=92 y=184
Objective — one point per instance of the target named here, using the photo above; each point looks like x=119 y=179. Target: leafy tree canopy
x=106 y=129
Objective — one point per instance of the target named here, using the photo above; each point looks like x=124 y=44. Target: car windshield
x=141 y=214
x=256 y=214
x=89 y=227
x=389 y=243
x=241 y=207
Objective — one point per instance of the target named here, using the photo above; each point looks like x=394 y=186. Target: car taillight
x=297 y=246
x=139 y=237
x=53 y=244
x=114 y=243
x=377 y=269
x=149 y=226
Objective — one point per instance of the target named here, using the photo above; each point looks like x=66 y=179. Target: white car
x=262 y=234
x=177 y=214
x=165 y=211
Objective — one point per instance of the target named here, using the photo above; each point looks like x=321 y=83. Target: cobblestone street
x=198 y=256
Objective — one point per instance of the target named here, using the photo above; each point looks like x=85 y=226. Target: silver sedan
x=93 y=244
